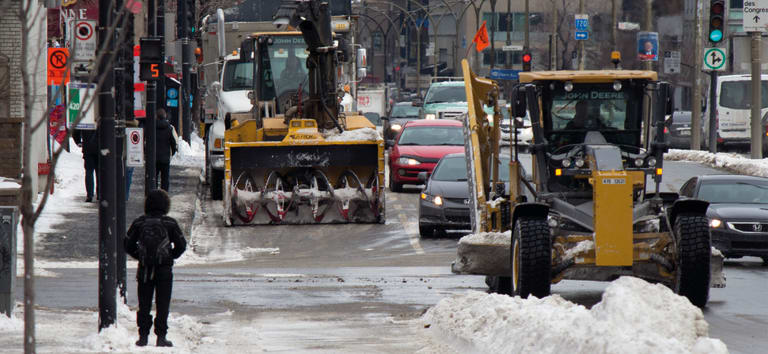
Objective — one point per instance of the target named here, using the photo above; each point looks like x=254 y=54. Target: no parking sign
x=135 y=150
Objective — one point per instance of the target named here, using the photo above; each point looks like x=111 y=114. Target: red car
x=419 y=146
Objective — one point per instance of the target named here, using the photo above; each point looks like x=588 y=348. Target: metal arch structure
x=392 y=25
x=385 y=34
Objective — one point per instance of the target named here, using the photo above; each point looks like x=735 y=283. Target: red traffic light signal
x=527 y=58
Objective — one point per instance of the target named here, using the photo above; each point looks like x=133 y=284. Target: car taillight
x=666 y=130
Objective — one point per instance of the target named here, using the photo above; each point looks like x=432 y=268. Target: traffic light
x=150 y=58
x=716 y=21
x=190 y=15
x=527 y=58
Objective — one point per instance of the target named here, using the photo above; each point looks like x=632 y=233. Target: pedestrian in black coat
x=155 y=280
x=88 y=140
x=165 y=147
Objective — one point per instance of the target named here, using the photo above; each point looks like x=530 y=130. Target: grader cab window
x=569 y=115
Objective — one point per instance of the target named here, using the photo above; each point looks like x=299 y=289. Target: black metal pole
x=189 y=7
x=124 y=100
x=712 y=138
x=160 y=93
x=107 y=174
x=150 y=126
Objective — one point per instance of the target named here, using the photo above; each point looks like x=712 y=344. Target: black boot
x=162 y=342
x=143 y=339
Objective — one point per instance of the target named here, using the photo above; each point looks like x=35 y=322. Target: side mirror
x=518 y=105
x=361 y=73
x=216 y=87
x=389 y=143
x=422 y=176
x=417 y=102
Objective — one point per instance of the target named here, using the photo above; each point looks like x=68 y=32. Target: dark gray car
x=400 y=113
x=678 y=130
x=738 y=212
x=444 y=202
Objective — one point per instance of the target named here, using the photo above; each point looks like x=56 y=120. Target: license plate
x=684 y=132
x=614 y=181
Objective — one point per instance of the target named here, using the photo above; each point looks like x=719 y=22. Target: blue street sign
x=505 y=74
x=172 y=92
x=172 y=102
x=581 y=24
x=581 y=35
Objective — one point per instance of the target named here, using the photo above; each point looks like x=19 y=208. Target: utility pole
x=161 y=33
x=150 y=124
x=648 y=27
x=527 y=29
x=107 y=174
x=614 y=25
x=757 y=136
x=696 y=90
x=494 y=21
x=185 y=13
x=581 y=43
x=553 y=40
x=125 y=99
x=507 y=55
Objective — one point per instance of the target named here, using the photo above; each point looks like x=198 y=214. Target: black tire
x=693 y=257
x=394 y=187
x=217 y=178
x=531 y=257
x=499 y=285
x=426 y=231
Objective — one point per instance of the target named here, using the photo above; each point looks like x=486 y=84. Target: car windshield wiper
x=461 y=180
x=453 y=144
x=404 y=144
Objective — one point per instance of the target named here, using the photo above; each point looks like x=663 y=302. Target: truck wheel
x=693 y=257
x=531 y=257
x=426 y=231
x=499 y=285
x=217 y=178
x=393 y=186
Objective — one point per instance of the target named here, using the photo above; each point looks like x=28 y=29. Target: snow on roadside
x=190 y=154
x=728 y=161
x=216 y=333
x=634 y=316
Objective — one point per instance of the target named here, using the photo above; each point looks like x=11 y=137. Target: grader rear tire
x=693 y=257
x=531 y=257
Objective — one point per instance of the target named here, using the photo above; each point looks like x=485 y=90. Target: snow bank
x=634 y=316
x=190 y=154
x=728 y=161
x=353 y=135
x=7 y=183
x=489 y=238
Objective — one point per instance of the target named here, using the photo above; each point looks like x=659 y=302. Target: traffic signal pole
x=107 y=173
x=696 y=89
x=150 y=124
x=185 y=13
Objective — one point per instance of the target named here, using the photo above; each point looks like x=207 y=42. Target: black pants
x=163 y=170
x=157 y=282
x=91 y=170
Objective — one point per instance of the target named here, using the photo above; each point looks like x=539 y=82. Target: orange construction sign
x=481 y=38
x=57 y=66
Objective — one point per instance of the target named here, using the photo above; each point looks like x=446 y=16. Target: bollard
x=7 y=258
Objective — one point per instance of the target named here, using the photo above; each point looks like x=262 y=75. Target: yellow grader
x=297 y=158
x=591 y=208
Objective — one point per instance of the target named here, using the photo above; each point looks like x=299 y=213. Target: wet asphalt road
x=346 y=288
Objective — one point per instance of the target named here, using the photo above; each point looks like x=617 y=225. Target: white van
x=733 y=101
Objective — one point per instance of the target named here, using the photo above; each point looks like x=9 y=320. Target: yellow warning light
x=658 y=171
x=558 y=172
x=615 y=55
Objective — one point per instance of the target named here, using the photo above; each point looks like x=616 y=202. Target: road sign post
x=755 y=21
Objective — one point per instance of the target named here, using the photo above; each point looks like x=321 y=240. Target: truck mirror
x=518 y=104
x=417 y=102
x=215 y=87
x=246 y=49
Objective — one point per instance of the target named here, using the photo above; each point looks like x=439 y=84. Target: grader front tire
x=693 y=258
x=531 y=257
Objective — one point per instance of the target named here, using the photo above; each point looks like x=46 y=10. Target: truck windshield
x=238 y=75
x=738 y=94
x=592 y=107
x=288 y=63
x=440 y=94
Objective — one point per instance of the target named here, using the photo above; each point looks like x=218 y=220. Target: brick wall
x=10 y=39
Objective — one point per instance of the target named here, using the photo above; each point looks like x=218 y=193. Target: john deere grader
x=591 y=209
x=298 y=158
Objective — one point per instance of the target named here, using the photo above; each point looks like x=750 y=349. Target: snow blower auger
x=299 y=159
x=587 y=212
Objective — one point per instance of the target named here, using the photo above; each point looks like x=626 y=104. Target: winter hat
x=157 y=202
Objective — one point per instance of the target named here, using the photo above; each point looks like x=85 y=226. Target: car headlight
x=436 y=199
x=396 y=126
x=407 y=161
x=429 y=116
x=715 y=223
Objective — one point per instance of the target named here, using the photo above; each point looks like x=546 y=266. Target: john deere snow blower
x=297 y=158
x=591 y=209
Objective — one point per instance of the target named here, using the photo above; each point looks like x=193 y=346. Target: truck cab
x=232 y=102
x=444 y=100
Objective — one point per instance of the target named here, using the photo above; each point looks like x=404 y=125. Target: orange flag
x=481 y=38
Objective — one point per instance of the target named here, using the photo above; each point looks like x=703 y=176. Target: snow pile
x=190 y=154
x=488 y=238
x=634 y=316
x=11 y=324
x=731 y=162
x=191 y=256
x=580 y=247
x=353 y=135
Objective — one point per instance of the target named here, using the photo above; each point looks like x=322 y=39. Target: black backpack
x=154 y=246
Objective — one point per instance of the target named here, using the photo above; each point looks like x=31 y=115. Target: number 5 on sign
x=149 y=72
